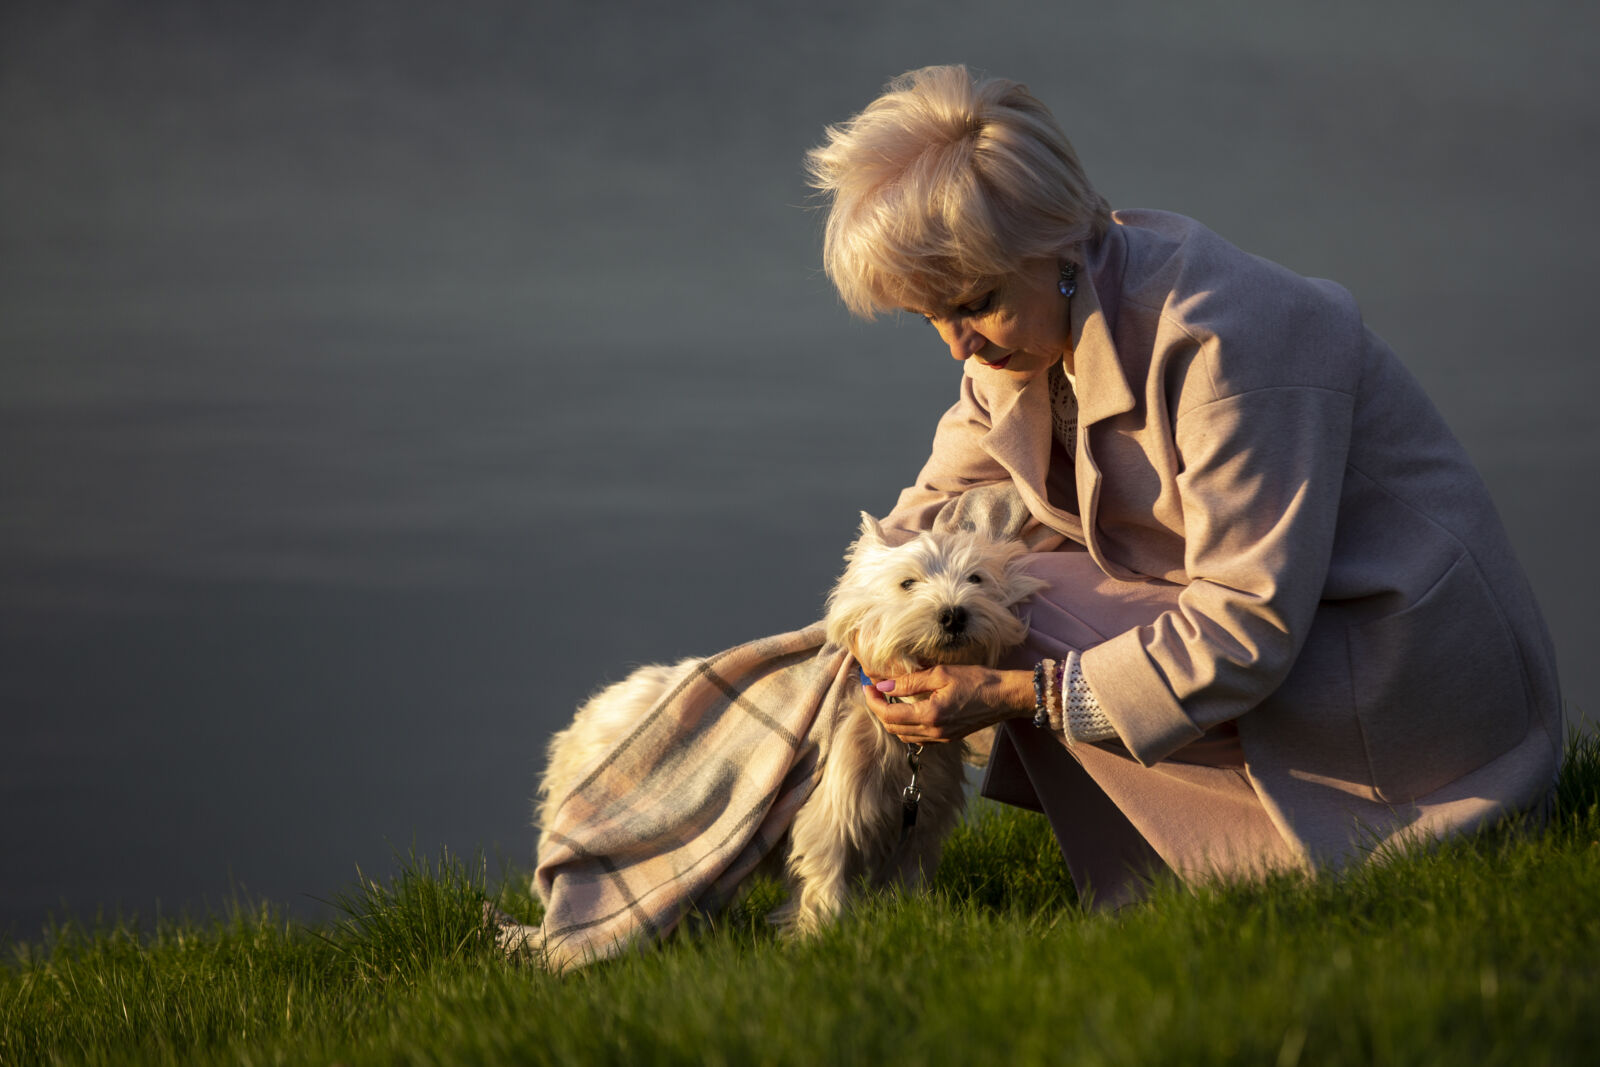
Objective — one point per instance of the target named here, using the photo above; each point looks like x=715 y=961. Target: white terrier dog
x=942 y=598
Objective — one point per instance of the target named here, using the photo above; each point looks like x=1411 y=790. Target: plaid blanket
x=686 y=806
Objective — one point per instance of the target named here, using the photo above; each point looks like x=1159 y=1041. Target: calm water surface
x=376 y=382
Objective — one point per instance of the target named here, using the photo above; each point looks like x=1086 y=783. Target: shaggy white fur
x=942 y=598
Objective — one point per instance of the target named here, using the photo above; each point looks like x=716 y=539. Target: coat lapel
x=1103 y=393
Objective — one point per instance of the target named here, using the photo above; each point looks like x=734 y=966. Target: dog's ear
x=1019 y=583
x=871 y=531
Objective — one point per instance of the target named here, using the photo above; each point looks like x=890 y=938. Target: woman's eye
x=980 y=305
x=908 y=583
x=975 y=579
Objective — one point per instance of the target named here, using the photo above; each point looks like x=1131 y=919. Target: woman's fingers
x=915 y=684
x=945 y=703
x=917 y=721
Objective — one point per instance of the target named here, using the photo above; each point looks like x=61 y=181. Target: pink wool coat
x=1340 y=587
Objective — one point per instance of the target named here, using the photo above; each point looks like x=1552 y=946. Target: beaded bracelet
x=1041 y=710
x=1053 y=702
x=1049 y=678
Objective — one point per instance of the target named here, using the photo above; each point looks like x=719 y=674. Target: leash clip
x=911 y=795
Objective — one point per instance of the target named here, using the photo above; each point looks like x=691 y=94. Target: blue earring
x=1069 y=279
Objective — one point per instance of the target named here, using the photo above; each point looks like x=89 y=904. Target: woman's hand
x=948 y=703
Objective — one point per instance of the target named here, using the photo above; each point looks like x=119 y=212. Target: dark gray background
x=377 y=379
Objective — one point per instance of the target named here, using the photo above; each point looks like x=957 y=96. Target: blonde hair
x=945 y=181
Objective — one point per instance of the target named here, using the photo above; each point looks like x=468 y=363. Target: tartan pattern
x=674 y=818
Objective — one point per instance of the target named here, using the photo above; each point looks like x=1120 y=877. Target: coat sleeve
x=1260 y=483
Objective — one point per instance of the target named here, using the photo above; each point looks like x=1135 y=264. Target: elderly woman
x=1281 y=624
x=1284 y=625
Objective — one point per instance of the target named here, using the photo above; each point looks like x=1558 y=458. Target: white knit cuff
x=1081 y=715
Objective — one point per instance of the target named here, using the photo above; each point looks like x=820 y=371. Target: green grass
x=1483 y=951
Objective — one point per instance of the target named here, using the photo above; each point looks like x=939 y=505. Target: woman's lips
x=998 y=364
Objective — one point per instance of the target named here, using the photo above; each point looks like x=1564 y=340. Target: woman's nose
x=964 y=341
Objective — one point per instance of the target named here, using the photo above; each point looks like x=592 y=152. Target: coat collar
x=1102 y=384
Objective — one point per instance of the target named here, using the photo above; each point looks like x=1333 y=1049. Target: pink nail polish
x=885 y=686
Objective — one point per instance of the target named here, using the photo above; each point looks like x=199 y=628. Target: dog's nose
x=952 y=620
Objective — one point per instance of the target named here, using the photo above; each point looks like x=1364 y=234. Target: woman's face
x=1019 y=327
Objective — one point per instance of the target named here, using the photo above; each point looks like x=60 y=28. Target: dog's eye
x=975 y=579
x=908 y=583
